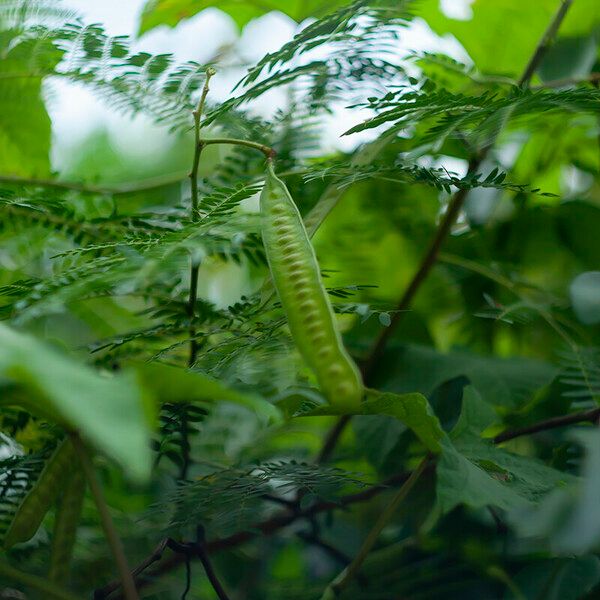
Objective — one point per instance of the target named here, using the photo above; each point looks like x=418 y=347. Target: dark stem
x=444 y=228
x=591 y=416
x=425 y=267
x=335 y=553
x=210 y=572
x=188 y=577
x=195 y=268
x=545 y=43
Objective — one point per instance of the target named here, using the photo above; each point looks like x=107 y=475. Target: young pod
x=298 y=282
x=41 y=496
x=68 y=514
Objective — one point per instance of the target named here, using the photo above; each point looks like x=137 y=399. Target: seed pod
x=68 y=514
x=297 y=279
x=41 y=496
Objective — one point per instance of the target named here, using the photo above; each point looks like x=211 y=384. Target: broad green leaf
x=502 y=382
x=377 y=436
x=485 y=35
x=108 y=410
x=585 y=297
x=171 y=12
x=527 y=476
x=474 y=472
x=462 y=481
x=172 y=384
x=411 y=409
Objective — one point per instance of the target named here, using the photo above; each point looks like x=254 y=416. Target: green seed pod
x=41 y=496
x=68 y=514
x=297 y=279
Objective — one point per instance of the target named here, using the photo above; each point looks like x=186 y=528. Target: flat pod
x=68 y=515
x=41 y=496
x=297 y=279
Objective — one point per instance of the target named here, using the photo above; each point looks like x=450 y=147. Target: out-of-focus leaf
x=569 y=519
x=585 y=297
x=570 y=57
x=475 y=416
x=377 y=436
x=171 y=12
x=523 y=23
x=171 y=384
x=107 y=410
x=24 y=122
x=558 y=578
x=502 y=382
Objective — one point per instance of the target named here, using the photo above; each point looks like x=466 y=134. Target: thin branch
x=591 y=416
x=202 y=554
x=266 y=150
x=444 y=228
x=346 y=576
x=108 y=526
x=195 y=267
x=545 y=43
x=45 y=587
x=125 y=188
x=335 y=553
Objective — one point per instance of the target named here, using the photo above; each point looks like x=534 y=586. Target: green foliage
x=140 y=317
x=171 y=12
x=524 y=25
x=108 y=409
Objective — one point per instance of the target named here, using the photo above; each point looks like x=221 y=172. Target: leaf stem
x=48 y=589
x=108 y=526
x=266 y=150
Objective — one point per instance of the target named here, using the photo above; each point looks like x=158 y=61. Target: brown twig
x=590 y=416
x=310 y=538
x=545 y=42
x=202 y=554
